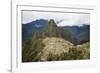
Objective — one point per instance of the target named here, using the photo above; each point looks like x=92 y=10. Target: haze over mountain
x=75 y=33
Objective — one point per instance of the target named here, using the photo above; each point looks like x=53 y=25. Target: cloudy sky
x=62 y=19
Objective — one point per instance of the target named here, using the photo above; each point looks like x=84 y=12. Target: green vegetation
x=32 y=48
x=53 y=44
x=54 y=49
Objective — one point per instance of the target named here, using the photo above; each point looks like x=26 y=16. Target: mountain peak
x=52 y=22
x=51 y=29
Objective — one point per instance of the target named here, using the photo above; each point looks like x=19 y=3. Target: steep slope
x=74 y=34
x=28 y=29
x=52 y=30
x=80 y=34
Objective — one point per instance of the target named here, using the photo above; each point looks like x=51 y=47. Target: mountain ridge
x=52 y=43
x=74 y=33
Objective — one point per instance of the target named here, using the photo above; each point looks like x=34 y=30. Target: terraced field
x=57 y=49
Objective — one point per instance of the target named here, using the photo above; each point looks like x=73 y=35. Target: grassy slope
x=54 y=49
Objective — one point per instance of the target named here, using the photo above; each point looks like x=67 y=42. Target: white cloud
x=63 y=19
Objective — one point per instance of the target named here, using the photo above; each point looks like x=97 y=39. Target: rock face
x=51 y=29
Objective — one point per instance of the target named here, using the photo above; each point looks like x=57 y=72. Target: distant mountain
x=73 y=34
x=29 y=28
x=81 y=33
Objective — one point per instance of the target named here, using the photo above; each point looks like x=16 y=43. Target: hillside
x=52 y=43
x=29 y=29
x=54 y=49
x=79 y=33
